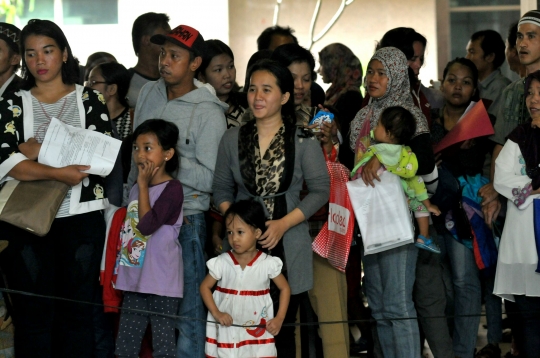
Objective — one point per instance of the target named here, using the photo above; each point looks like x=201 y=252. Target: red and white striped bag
x=334 y=240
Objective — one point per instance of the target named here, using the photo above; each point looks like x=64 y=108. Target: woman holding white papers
x=517 y=177
x=390 y=274
x=65 y=262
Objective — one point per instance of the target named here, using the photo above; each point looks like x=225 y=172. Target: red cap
x=183 y=36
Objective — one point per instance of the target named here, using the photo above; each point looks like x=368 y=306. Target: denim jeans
x=192 y=333
x=389 y=280
x=464 y=294
x=430 y=301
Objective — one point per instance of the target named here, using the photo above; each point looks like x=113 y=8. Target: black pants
x=528 y=325
x=133 y=325
x=65 y=263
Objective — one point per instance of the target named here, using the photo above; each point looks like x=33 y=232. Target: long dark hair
x=284 y=81
x=167 y=135
x=116 y=74
x=474 y=71
x=70 y=68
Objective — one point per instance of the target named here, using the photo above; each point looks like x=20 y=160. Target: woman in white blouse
x=517 y=177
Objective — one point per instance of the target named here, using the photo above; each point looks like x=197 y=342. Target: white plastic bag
x=382 y=213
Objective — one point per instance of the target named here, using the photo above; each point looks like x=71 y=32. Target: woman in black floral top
x=65 y=262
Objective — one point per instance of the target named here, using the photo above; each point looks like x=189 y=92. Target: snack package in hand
x=320 y=117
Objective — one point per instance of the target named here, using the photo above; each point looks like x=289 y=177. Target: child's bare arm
x=432 y=208
x=206 y=293
x=274 y=325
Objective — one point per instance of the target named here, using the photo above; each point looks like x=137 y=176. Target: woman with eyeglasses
x=112 y=80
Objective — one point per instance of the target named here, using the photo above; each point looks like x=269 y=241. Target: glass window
x=84 y=12
x=459 y=3
x=469 y=16
x=42 y=9
x=463 y=25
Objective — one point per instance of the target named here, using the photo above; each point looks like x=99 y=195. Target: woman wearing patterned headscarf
x=390 y=274
x=388 y=85
x=340 y=67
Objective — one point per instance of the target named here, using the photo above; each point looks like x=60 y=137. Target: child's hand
x=274 y=325
x=147 y=170
x=223 y=318
x=434 y=209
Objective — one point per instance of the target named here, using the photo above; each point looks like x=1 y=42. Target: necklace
x=59 y=113
x=42 y=129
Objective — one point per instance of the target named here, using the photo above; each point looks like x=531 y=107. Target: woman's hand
x=434 y=209
x=72 y=174
x=325 y=136
x=369 y=172
x=491 y=206
x=30 y=148
x=275 y=229
x=535 y=122
x=274 y=325
x=224 y=319
x=217 y=243
x=147 y=170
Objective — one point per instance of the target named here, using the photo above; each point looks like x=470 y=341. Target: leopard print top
x=268 y=168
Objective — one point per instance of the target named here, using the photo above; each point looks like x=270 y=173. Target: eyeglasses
x=93 y=83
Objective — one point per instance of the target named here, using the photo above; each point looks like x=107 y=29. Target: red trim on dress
x=255 y=341
x=233 y=258
x=242 y=293
x=250 y=263
x=255 y=258
x=242 y=343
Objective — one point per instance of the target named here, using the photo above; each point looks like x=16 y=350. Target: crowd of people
x=199 y=241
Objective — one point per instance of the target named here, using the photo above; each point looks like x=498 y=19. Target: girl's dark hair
x=167 y=135
x=290 y=53
x=399 y=122
x=250 y=211
x=213 y=48
x=116 y=74
x=284 y=81
x=474 y=71
x=70 y=68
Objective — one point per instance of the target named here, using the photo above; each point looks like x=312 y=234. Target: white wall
x=359 y=27
x=210 y=17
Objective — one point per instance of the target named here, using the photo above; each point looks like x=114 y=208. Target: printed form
x=67 y=145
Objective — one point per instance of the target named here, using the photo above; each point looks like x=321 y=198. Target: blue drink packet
x=320 y=117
